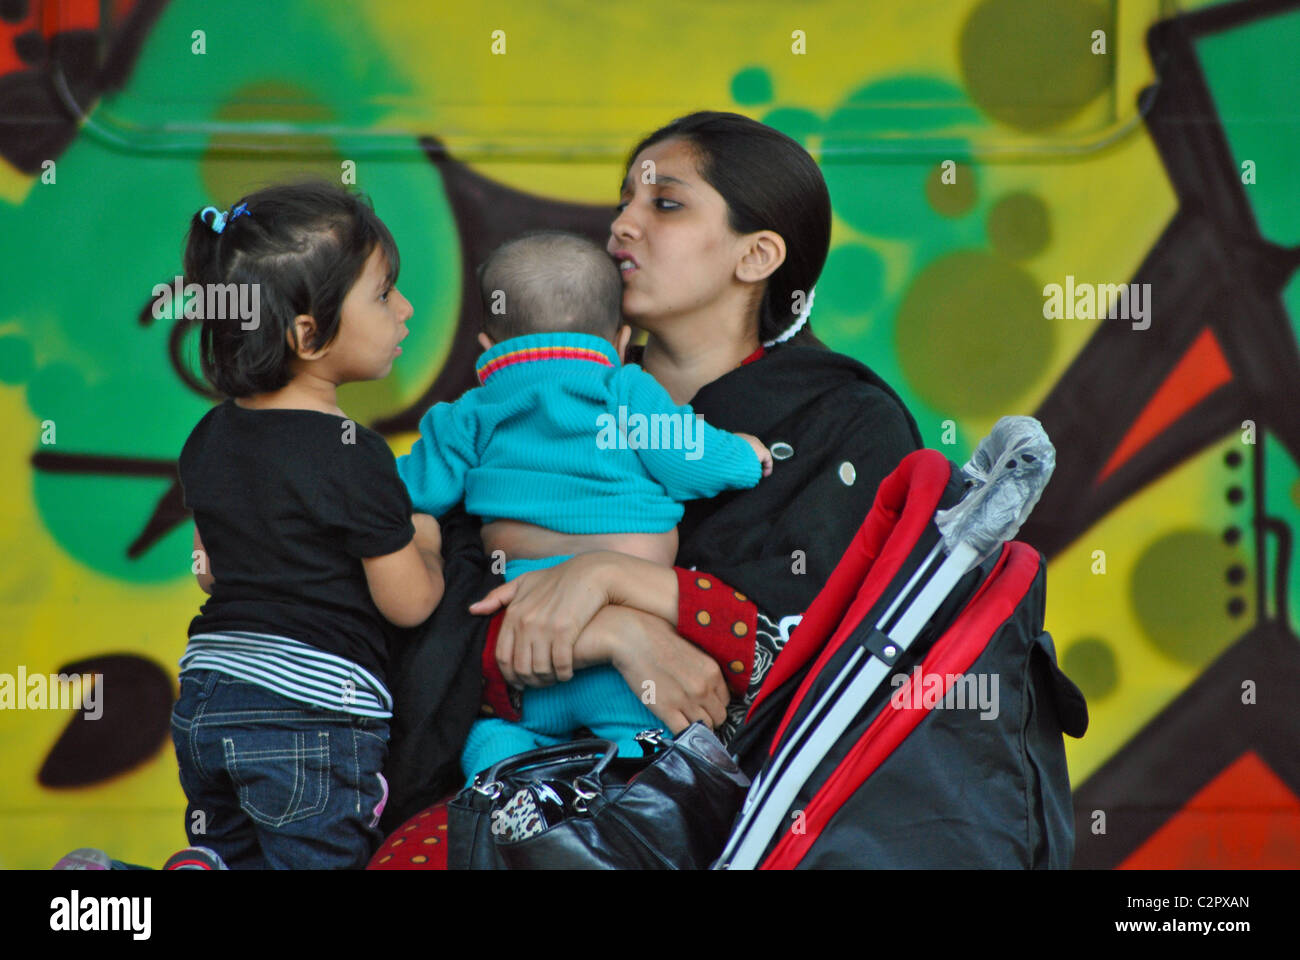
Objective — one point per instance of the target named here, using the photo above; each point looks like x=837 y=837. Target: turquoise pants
x=597 y=698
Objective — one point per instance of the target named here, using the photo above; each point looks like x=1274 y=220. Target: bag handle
x=605 y=750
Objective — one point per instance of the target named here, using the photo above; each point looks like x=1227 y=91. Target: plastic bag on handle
x=1009 y=470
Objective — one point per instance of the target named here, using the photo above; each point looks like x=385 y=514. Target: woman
x=722 y=229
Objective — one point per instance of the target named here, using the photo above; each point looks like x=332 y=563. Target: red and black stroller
x=915 y=717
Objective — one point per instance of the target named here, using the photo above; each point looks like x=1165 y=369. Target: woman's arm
x=546 y=610
x=684 y=683
x=707 y=614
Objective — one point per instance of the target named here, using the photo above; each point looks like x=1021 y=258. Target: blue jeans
x=274 y=783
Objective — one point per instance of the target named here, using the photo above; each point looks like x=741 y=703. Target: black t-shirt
x=287 y=502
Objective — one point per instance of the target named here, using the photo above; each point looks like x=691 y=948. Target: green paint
x=17 y=360
x=971 y=336
x=1253 y=74
x=1090 y=662
x=1029 y=63
x=1018 y=226
x=1180 y=594
x=752 y=86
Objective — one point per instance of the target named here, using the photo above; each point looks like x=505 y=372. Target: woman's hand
x=678 y=682
x=546 y=610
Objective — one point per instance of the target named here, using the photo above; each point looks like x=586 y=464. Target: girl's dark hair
x=770 y=183
x=304 y=245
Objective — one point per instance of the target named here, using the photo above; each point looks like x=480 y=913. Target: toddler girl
x=304 y=535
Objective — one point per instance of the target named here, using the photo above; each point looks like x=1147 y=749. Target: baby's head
x=322 y=266
x=549 y=281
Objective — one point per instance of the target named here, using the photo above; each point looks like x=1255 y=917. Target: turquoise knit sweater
x=563 y=436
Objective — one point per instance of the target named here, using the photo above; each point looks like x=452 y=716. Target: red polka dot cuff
x=499 y=700
x=720 y=621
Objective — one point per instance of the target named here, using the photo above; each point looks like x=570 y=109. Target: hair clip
x=221 y=220
x=797 y=325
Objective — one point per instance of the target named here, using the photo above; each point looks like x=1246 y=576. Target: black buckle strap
x=883 y=648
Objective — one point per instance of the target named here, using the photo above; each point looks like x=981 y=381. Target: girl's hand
x=546 y=611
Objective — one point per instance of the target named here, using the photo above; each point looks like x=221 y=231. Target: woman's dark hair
x=770 y=183
x=304 y=245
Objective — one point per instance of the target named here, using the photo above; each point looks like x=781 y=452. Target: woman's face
x=677 y=253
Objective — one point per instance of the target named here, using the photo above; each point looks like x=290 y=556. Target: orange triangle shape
x=1199 y=372
x=1245 y=818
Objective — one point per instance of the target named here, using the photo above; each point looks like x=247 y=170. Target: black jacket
x=776 y=543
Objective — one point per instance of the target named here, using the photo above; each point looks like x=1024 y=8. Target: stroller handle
x=1005 y=475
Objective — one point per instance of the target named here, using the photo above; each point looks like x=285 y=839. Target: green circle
x=796 y=123
x=56 y=392
x=1029 y=63
x=751 y=86
x=971 y=335
x=848 y=292
x=1180 y=598
x=1090 y=663
x=887 y=196
x=1018 y=226
x=955 y=198
x=17 y=361
x=228 y=175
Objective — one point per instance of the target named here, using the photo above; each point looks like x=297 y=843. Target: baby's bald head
x=548 y=282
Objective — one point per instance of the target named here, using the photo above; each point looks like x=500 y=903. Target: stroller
x=957 y=760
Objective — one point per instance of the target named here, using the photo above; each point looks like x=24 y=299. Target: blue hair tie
x=221 y=220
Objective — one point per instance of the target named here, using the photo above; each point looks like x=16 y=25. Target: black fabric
x=437 y=678
x=827 y=406
x=287 y=502
x=832 y=410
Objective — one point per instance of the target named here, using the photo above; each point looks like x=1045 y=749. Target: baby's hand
x=764 y=454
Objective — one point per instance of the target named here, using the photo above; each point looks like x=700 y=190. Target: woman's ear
x=485 y=341
x=621 y=340
x=764 y=252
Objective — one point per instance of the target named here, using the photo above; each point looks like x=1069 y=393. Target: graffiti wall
x=1077 y=209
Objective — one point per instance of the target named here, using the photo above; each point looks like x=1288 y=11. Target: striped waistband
x=292 y=669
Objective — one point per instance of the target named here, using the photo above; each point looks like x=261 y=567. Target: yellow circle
x=739 y=628
x=703 y=618
x=703 y=583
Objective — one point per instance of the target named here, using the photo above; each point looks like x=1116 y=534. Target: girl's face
x=371 y=324
x=677 y=253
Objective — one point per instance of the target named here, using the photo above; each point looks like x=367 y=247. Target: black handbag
x=669 y=810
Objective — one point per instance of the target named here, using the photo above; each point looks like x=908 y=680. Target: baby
x=562 y=435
